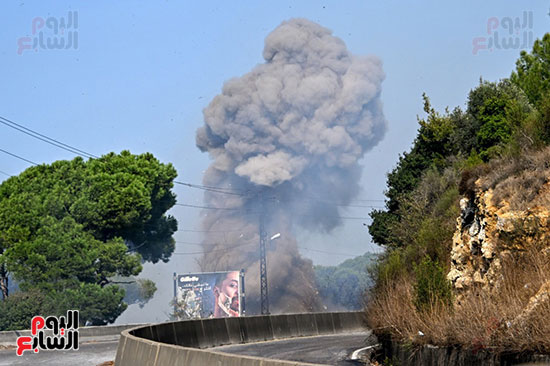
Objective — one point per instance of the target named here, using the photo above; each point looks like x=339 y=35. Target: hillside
x=465 y=228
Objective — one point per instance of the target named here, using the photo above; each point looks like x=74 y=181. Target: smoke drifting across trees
x=286 y=138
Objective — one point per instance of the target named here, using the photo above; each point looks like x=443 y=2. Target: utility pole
x=263 y=263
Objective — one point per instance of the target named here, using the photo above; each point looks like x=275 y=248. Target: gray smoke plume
x=286 y=139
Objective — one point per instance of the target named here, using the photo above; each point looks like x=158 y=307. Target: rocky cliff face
x=490 y=230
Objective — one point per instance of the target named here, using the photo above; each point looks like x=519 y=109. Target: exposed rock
x=542 y=298
x=487 y=232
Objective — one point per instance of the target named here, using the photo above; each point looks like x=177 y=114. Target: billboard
x=208 y=295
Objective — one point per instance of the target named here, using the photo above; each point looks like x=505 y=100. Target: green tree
x=532 y=73
x=97 y=305
x=69 y=227
x=62 y=254
x=497 y=112
x=17 y=310
x=495 y=129
x=431 y=148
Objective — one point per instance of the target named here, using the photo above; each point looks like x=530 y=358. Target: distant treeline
x=344 y=286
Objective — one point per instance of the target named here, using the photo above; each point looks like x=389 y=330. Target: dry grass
x=493 y=319
x=516 y=180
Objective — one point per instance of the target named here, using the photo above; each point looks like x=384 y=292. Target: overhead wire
x=210 y=231
x=45 y=138
x=18 y=157
x=327 y=252
x=258 y=213
x=223 y=191
x=216 y=250
x=213 y=189
x=229 y=191
x=326 y=202
x=194 y=243
x=209 y=207
x=250 y=244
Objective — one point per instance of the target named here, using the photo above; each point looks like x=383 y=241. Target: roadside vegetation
x=502 y=136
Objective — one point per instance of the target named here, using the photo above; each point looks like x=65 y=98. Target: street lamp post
x=263 y=267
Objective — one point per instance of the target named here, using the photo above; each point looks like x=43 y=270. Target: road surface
x=328 y=349
x=90 y=353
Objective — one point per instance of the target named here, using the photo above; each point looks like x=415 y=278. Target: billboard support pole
x=242 y=300
x=263 y=264
x=175 y=294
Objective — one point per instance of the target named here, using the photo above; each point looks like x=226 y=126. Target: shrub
x=391 y=268
x=17 y=310
x=432 y=287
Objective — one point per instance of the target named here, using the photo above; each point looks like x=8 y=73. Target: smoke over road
x=285 y=140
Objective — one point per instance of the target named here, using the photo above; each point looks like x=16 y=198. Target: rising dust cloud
x=285 y=140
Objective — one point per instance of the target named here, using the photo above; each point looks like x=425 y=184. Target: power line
x=45 y=138
x=189 y=243
x=250 y=244
x=355 y=206
x=365 y=200
x=200 y=186
x=18 y=157
x=215 y=250
x=200 y=244
x=327 y=202
x=9 y=175
x=211 y=189
x=210 y=231
x=232 y=191
x=326 y=252
x=209 y=207
x=258 y=213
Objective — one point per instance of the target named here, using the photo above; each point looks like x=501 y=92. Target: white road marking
x=355 y=354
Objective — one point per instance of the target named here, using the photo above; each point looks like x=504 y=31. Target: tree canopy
x=532 y=73
x=68 y=227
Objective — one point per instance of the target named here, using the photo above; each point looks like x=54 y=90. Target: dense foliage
x=344 y=285
x=67 y=228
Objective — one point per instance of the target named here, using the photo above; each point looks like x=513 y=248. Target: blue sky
x=143 y=72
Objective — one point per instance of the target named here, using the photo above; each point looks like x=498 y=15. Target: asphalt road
x=327 y=350
x=90 y=353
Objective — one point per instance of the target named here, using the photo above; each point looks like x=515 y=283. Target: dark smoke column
x=286 y=139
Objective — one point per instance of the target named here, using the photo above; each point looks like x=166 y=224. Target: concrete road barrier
x=325 y=324
x=193 y=342
x=284 y=326
x=306 y=325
